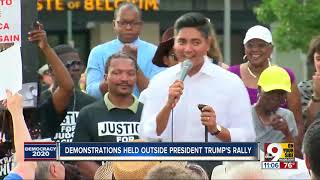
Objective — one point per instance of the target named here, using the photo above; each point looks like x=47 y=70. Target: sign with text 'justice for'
x=10 y=21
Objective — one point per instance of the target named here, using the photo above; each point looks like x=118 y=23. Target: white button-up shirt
x=213 y=86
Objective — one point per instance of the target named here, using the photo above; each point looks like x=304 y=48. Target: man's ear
x=105 y=76
x=52 y=169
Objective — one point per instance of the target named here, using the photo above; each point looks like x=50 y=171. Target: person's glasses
x=133 y=24
x=256 y=45
x=73 y=63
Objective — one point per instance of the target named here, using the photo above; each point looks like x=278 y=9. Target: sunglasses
x=73 y=63
x=257 y=45
x=69 y=64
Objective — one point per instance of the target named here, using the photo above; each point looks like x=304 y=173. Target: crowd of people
x=135 y=91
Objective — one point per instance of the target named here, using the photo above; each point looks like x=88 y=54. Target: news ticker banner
x=140 y=151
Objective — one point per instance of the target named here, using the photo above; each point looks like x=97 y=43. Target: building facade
x=92 y=20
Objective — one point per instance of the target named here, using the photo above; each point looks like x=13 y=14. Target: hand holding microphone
x=176 y=89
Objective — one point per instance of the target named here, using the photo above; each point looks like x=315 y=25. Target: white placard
x=10 y=70
x=10 y=21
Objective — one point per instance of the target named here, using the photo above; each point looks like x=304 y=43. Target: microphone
x=186 y=66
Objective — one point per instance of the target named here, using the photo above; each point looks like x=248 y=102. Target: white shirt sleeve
x=147 y=129
x=240 y=116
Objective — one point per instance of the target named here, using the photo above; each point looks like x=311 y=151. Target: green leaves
x=296 y=21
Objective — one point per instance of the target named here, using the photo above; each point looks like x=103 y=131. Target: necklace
x=251 y=73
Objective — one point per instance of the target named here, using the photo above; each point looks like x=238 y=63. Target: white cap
x=43 y=69
x=258 y=32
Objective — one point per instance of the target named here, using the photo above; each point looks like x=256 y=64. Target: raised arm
x=63 y=80
x=21 y=134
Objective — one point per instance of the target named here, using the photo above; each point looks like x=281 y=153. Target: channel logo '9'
x=273 y=151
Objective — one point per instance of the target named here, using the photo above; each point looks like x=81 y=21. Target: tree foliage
x=297 y=21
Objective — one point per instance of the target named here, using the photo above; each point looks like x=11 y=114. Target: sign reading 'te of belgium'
x=93 y=5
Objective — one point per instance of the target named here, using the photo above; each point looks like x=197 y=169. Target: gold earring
x=244 y=58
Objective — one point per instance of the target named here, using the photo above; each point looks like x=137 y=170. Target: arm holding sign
x=23 y=170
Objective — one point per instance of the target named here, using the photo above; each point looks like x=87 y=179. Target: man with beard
x=116 y=117
x=72 y=61
x=273 y=123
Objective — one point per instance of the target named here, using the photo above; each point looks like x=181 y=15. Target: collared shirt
x=98 y=58
x=102 y=121
x=133 y=107
x=213 y=86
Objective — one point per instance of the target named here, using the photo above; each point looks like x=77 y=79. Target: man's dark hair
x=64 y=48
x=119 y=55
x=127 y=5
x=311 y=145
x=195 y=20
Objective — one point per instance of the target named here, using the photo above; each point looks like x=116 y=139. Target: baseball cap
x=164 y=47
x=274 y=78
x=258 y=32
x=43 y=69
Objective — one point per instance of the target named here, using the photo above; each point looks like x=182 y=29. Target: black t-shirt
x=49 y=119
x=96 y=123
x=62 y=125
x=45 y=94
x=66 y=131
